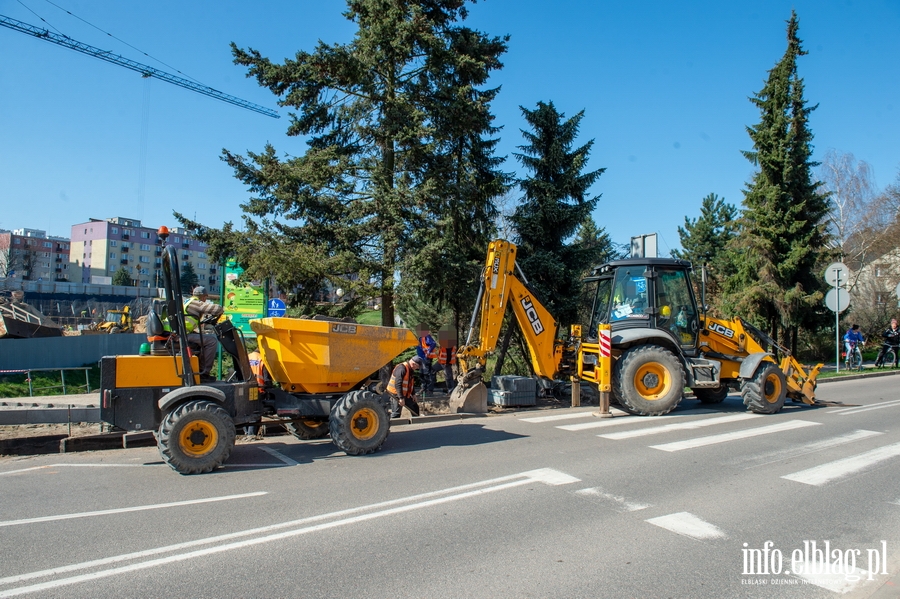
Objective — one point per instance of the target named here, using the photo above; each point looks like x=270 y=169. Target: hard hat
x=665 y=311
x=199 y=290
x=145 y=349
x=417 y=360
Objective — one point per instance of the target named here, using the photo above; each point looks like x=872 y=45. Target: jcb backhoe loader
x=660 y=342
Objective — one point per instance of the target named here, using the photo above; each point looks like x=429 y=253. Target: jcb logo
x=724 y=331
x=496 y=267
x=532 y=315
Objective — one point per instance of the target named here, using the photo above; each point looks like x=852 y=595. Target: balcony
x=159 y=241
x=186 y=244
x=125 y=250
x=126 y=236
x=59 y=259
x=124 y=260
x=58 y=269
x=158 y=251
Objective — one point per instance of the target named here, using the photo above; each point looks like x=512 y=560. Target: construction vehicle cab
x=116 y=321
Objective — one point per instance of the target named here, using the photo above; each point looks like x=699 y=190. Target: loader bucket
x=809 y=386
x=317 y=356
x=470 y=393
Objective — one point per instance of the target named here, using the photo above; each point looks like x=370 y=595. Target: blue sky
x=664 y=87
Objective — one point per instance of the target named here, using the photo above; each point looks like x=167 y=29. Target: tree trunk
x=504 y=347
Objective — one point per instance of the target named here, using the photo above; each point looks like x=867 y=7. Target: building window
x=145 y=235
x=17 y=240
x=47 y=244
x=145 y=247
x=113 y=243
x=112 y=255
x=178 y=240
x=201 y=265
x=145 y=259
x=114 y=230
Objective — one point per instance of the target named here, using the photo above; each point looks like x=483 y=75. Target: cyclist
x=891 y=341
x=853 y=339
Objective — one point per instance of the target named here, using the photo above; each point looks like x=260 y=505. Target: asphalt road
x=557 y=504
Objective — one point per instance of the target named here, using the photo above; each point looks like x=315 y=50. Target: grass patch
x=49 y=383
x=372 y=317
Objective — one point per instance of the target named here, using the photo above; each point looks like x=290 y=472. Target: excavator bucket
x=801 y=386
x=470 y=393
x=809 y=385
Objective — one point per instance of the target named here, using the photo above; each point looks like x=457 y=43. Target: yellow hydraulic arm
x=500 y=285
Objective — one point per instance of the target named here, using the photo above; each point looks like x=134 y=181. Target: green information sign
x=242 y=303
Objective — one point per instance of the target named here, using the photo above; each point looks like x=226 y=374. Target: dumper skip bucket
x=316 y=356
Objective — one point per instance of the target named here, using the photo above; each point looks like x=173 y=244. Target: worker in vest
x=427 y=350
x=447 y=355
x=400 y=387
x=196 y=309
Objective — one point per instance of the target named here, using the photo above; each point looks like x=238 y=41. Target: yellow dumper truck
x=320 y=371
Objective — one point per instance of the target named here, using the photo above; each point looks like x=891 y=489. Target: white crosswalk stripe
x=793 y=451
x=626 y=418
x=838 y=469
x=677 y=426
x=688 y=525
x=894 y=403
x=734 y=436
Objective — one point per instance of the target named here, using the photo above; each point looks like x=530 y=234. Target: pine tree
x=782 y=231
x=554 y=204
x=189 y=278
x=121 y=277
x=345 y=211
x=705 y=240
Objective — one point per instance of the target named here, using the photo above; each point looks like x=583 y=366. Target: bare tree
x=862 y=221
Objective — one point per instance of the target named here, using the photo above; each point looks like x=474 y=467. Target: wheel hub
x=651 y=380
x=198 y=438
x=364 y=424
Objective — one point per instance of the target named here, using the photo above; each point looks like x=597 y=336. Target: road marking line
x=139 y=508
x=626 y=505
x=279 y=455
x=857 y=409
x=688 y=525
x=627 y=418
x=677 y=426
x=764 y=459
x=734 y=436
x=834 y=582
x=403 y=504
x=831 y=471
x=874 y=406
x=79 y=466
x=558 y=417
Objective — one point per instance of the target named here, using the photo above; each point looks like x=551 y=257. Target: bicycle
x=854 y=357
x=888 y=355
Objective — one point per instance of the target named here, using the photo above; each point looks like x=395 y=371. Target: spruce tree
x=345 y=211
x=554 y=205
x=782 y=231
x=705 y=240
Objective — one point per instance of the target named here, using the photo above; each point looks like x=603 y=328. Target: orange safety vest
x=430 y=352
x=407 y=384
x=442 y=357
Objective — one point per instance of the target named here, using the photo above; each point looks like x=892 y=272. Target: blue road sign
x=276 y=307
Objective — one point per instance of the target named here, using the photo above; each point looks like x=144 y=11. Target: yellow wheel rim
x=313 y=423
x=652 y=381
x=198 y=438
x=364 y=424
x=772 y=388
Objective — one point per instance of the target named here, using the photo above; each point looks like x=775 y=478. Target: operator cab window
x=676 y=310
x=629 y=295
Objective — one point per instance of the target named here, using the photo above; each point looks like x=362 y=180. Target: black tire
x=711 y=395
x=648 y=380
x=196 y=437
x=766 y=392
x=113 y=330
x=307 y=429
x=888 y=359
x=359 y=423
x=854 y=360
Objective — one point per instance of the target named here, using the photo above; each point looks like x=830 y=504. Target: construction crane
x=144 y=70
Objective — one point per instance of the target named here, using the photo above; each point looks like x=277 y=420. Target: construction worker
x=427 y=350
x=401 y=385
x=447 y=355
x=196 y=309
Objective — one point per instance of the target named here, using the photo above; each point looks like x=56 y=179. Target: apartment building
x=101 y=247
x=32 y=255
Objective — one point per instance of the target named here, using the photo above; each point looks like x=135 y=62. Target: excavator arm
x=502 y=282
